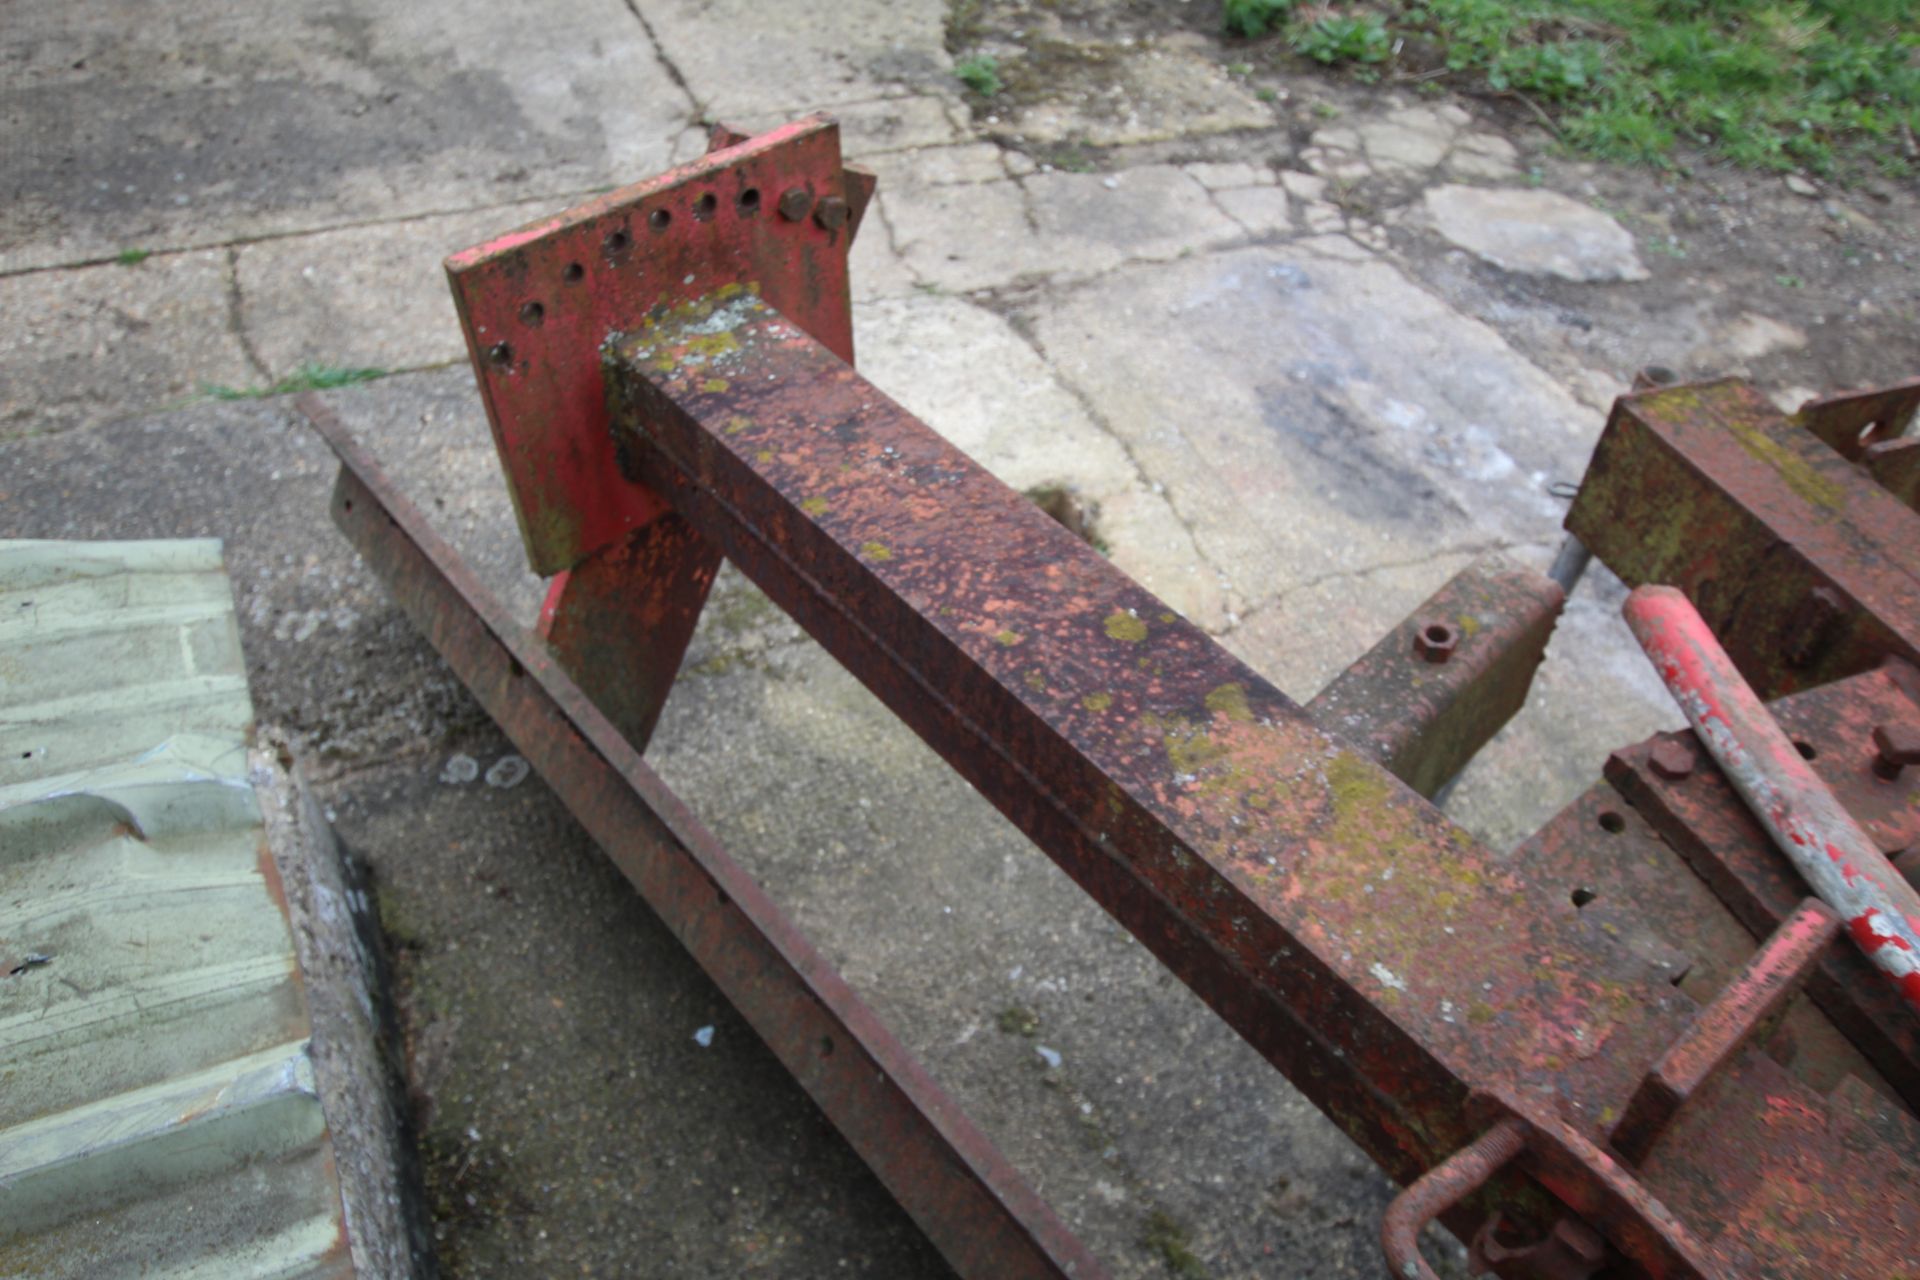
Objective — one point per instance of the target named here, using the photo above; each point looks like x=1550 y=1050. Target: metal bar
x=1443 y=682
x=1371 y=950
x=974 y=1207
x=1440 y=1189
x=1881 y=910
x=1737 y=1015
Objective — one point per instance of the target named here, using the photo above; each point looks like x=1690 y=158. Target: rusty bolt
x=1895 y=747
x=1435 y=641
x=1673 y=759
x=831 y=213
x=795 y=203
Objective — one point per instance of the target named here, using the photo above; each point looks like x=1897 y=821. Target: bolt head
x=1673 y=759
x=831 y=213
x=795 y=204
x=1435 y=641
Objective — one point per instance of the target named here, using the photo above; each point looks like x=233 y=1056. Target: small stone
x=460 y=770
x=1303 y=186
x=703 y=1037
x=1541 y=233
x=1801 y=187
x=1049 y=1056
x=507 y=772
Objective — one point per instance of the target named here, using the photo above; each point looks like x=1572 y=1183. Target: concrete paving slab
x=745 y=59
x=962 y=238
x=1105 y=97
x=225 y=122
x=88 y=345
x=364 y=297
x=1403 y=428
x=1093 y=222
x=880 y=127
x=968 y=374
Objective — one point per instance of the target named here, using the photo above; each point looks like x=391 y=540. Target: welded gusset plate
x=1806 y=570
x=774 y=212
x=1853 y=422
x=1704 y=820
x=1444 y=681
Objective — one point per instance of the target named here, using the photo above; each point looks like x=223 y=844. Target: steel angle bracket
x=774 y=214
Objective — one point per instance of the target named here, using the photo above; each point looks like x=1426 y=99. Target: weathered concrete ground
x=1304 y=349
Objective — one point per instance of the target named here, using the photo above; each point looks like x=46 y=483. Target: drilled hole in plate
x=748 y=201
x=617 y=242
x=1581 y=897
x=501 y=355
x=533 y=314
x=704 y=206
x=1612 y=823
x=573 y=273
x=1805 y=749
x=659 y=219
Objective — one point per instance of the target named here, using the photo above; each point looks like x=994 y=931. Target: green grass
x=1825 y=85
x=308 y=377
x=132 y=257
x=980 y=73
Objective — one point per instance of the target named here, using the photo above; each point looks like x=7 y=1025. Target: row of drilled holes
x=533 y=314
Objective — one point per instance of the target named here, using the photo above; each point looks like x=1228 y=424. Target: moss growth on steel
x=1230 y=700
x=1007 y=639
x=1121 y=625
x=815 y=506
x=880 y=551
x=1799 y=474
x=1097 y=701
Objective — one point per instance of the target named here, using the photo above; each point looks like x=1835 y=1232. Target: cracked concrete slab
x=746 y=59
x=1262 y=384
x=226 y=122
x=107 y=341
x=364 y=297
x=970 y=376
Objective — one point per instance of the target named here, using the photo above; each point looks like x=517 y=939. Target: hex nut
x=1895 y=746
x=1435 y=641
x=831 y=213
x=1673 y=759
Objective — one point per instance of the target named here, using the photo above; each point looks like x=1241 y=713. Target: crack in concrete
x=1497 y=546
x=698 y=109
x=236 y=321
x=570 y=197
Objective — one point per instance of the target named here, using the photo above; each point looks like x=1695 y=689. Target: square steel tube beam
x=977 y=1210
x=1806 y=570
x=1393 y=968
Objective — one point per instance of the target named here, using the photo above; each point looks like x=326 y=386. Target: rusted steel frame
x=1853 y=421
x=1443 y=682
x=1440 y=1189
x=1843 y=866
x=1805 y=569
x=956 y=1185
x=1189 y=797
x=1736 y=1017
